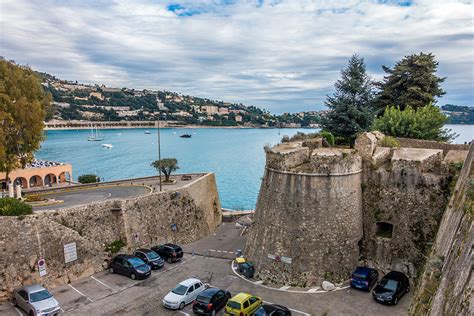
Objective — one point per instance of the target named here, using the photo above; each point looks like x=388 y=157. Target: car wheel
x=181 y=306
x=14 y=302
x=169 y=260
x=111 y=270
x=133 y=276
x=32 y=313
x=395 y=301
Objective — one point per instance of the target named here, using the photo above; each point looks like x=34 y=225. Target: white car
x=183 y=293
x=35 y=300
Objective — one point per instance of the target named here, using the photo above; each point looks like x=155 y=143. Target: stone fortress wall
x=322 y=211
x=180 y=216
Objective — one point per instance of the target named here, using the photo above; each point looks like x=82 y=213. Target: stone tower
x=308 y=220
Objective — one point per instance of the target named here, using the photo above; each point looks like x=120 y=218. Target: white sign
x=286 y=260
x=272 y=257
x=136 y=237
x=70 y=252
x=42 y=267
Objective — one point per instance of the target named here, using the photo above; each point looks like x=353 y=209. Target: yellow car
x=242 y=304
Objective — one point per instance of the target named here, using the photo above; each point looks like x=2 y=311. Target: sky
x=281 y=55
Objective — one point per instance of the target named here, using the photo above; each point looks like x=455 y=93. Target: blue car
x=364 y=278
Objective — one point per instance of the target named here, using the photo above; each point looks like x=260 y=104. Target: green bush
x=14 y=207
x=115 y=246
x=389 y=141
x=329 y=137
x=87 y=178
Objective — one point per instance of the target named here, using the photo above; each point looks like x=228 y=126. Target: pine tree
x=351 y=106
x=412 y=82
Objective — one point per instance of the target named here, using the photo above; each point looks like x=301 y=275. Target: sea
x=236 y=156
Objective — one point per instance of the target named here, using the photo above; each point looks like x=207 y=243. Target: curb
x=309 y=291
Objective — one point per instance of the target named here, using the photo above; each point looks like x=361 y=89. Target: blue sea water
x=236 y=156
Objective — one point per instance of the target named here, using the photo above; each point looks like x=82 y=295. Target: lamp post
x=159 y=149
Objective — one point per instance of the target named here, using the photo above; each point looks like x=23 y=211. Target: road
x=76 y=197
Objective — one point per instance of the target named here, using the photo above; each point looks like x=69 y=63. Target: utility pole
x=159 y=148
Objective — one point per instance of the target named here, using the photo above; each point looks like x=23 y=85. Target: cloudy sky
x=280 y=55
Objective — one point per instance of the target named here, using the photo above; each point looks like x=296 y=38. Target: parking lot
x=112 y=294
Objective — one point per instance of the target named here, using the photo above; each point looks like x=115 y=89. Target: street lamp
x=159 y=148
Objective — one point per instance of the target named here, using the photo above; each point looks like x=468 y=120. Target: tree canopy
x=166 y=165
x=423 y=123
x=412 y=82
x=23 y=106
x=351 y=106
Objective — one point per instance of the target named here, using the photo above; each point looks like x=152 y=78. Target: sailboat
x=95 y=137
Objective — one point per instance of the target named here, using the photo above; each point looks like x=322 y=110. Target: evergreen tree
x=412 y=82
x=23 y=105
x=351 y=108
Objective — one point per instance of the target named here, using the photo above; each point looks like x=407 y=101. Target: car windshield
x=203 y=299
x=233 y=305
x=359 y=276
x=180 y=289
x=390 y=285
x=136 y=262
x=39 y=296
x=152 y=255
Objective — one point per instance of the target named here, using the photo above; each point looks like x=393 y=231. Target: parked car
x=364 y=278
x=150 y=257
x=242 y=304
x=210 y=301
x=391 y=288
x=131 y=266
x=272 y=310
x=36 y=300
x=169 y=252
x=183 y=293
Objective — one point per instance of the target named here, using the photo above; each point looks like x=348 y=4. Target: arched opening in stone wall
x=384 y=230
x=64 y=177
x=4 y=184
x=22 y=182
x=36 y=181
x=50 y=179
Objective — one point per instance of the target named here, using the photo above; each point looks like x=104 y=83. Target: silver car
x=35 y=300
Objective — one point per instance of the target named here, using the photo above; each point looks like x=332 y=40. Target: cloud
x=280 y=55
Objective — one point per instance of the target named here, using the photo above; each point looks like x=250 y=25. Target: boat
x=107 y=145
x=185 y=136
x=147 y=132
x=95 y=137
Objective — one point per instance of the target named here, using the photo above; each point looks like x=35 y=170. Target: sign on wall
x=136 y=237
x=70 y=252
x=42 y=267
x=277 y=258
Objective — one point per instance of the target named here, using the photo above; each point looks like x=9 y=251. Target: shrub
x=115 y=246
x=87 y=178
x=14 y=207
x=34 y=198
x=389 y=141
x=285 y=139
x=329 y=137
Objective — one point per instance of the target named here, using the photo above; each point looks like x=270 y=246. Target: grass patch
x=14 y=207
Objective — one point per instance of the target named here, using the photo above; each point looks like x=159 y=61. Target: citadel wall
x=180 y=216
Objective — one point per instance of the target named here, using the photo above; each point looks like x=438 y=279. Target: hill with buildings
x=76 y=101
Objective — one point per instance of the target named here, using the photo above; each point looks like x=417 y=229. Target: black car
x=131 y=266
x=391 y=288
x=364 y=278
x=169 y=252
x=273 y=310
x=150 y=257
x=210 y=301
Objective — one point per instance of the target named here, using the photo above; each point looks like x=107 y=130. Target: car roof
x=33 y=288
x=189 y=282
x=209 y=292
x=395 y=275
x=172 y=245
x=363 y=270
x=240 y=297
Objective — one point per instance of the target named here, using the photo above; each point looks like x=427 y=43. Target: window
x=253 y=299
x=23 y=295
x=384 y=230
x=219 y=295
x=197 y=285
x=246 y=304
x=191 y=289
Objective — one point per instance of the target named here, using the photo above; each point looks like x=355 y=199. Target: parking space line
x=17 y=310
x=184 y=313
x=291 y=309
x=72 y=287
x=103 y=284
